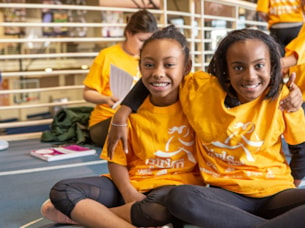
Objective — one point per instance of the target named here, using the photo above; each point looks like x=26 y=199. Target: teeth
x=161 y=84
x=250 y=86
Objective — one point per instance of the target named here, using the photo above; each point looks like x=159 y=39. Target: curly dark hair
x=219 y=68
x=169 y=32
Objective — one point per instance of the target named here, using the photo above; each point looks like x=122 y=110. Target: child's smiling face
x=162 y=67
x=249 y=68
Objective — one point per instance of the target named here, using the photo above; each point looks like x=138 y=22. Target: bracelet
x=118 y=125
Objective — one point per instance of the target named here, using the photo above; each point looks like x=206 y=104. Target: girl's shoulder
x=202 y=74
x=200 y=83
x=200 y=78
x=113 y=53
x=111 y=49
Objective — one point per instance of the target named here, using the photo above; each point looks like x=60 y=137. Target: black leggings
x=149 y=212
x=283 y=36
x=215 y=207
x=152 y=210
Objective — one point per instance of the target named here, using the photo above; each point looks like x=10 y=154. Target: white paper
x=120 y=83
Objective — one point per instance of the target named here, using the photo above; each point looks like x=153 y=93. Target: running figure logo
x=183 y=133
x=241 y=131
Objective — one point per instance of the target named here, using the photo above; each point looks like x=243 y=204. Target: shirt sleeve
x=297 y=163
x=262 y=6
x=98 y=75
x=136 y=96
x=297 y=46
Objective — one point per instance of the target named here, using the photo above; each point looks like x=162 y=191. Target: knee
x=59 y=191
x=178 y=198
x=64 y=195
x=152 y=214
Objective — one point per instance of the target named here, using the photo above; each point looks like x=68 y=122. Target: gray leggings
x=149 y=212
x=215 y=207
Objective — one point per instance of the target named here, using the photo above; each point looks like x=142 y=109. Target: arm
x=297 y=163
x=93 y=96
x=264 y=16
x=120 y=177
x=296 y=47
x=118 y=130
x=263 y=7
x=136 y=96
x=289 y=61
x=294 y=100
x=132 y=102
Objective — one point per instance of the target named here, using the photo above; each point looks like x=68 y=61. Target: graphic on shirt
x=183 y=133
x=287 y=9
x=241 y=131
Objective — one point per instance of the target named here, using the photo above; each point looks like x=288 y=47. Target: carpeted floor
x=26 y=181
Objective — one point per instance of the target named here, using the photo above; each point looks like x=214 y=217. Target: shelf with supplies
x=46 y=49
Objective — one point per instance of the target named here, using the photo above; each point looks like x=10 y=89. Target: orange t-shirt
x=297 y=47
x=98 y=77
x=240 y=148
x=161 y=148
x=280 y=11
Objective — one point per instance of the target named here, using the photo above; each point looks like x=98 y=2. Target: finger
x=110 y=148
x=293 y=108
x=291 y=80
x=108 y=151
x=125 y=145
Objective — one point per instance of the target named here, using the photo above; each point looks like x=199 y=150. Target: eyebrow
x=151 y=58
x=257 y=60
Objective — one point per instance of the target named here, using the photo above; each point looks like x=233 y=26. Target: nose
x=159 y=71
x=250 y=74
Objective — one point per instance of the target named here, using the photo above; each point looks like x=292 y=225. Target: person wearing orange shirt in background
x=285 y=19
x=161 y=152
x=123 y=55
x=294 y=60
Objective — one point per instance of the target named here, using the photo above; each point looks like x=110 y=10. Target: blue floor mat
x=26 y=181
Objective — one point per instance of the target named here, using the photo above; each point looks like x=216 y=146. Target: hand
x=133 y=197
x=263 y=16
x=117 y=133
x=294 y=100
x=111 y=100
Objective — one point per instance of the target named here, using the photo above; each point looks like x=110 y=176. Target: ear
x=188 y=67
x=127 y=34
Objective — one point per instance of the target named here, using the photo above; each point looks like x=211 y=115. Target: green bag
x=70 y=125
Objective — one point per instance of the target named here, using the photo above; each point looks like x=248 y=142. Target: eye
x=259 y=65
x=169 y=65
x=238 y=68
x=148 y=65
